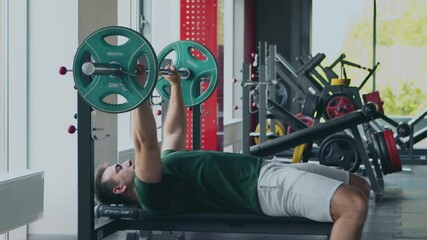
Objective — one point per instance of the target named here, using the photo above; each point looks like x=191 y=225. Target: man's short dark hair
x=104 y=189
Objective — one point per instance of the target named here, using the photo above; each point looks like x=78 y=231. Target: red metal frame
x=198 y=22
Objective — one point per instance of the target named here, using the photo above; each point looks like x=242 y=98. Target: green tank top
x=203 y=181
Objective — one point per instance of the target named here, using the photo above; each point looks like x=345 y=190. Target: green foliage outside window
x=409 y=102
x=401 y=49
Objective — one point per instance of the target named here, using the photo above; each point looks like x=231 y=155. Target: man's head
x=114 y=183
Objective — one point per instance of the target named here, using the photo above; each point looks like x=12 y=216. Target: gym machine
x=406 y=133
x=337 y=98
x=342 y=145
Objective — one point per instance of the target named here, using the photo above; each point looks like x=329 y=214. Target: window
x=402 y=50
x=399 y=44
x=347 y=29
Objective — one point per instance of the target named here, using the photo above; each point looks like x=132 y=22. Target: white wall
x=233 y=58
x=16 y=84
x=15 y=92
x=163 y=22
x=52 y=42
x=3 y=103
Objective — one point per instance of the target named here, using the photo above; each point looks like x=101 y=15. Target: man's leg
x=338 y=174
x=361 y=184
x=316 y=192
x=349 y=207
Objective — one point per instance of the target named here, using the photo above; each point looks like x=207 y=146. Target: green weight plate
x=95 y=48
x=195 y=89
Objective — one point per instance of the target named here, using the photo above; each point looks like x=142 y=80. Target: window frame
x=3 y=89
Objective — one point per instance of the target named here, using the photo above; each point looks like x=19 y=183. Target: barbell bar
x=102 y=69
x=91 y=68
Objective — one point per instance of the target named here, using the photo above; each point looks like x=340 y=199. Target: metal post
x=246 y=74
x=262 y=79
x=196 y=124
x=196 y=129
x=374 y=44
x=85 y=172
x=368 y=167
x=271 y=68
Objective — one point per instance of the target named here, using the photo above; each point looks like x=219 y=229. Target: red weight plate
x=383 y=154
x=339 y=105
x=307 y=120
x=392 y=150
x=374 y=97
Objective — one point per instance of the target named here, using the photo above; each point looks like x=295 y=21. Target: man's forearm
x=176 y=119
x=148 y=166
x=145 y=130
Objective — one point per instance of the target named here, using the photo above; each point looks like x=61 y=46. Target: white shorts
x=299 y=190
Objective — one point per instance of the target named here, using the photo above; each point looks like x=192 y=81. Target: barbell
x=90 y=68
x=101 y=69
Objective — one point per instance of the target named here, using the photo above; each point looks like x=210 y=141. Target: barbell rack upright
x=85 y=172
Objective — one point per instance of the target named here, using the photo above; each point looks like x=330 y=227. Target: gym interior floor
x=402 y=213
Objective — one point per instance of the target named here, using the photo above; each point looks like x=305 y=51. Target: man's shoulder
x=169 y=151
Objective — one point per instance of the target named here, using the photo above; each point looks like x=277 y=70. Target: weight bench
x=132 y=217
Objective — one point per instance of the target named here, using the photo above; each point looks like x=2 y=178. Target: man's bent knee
x=349 y=202
x=361 y=184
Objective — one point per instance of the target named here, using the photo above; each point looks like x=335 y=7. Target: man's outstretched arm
x=148 y=167
x=175 y=125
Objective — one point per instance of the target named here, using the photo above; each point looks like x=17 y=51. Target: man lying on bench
x=173 y=180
